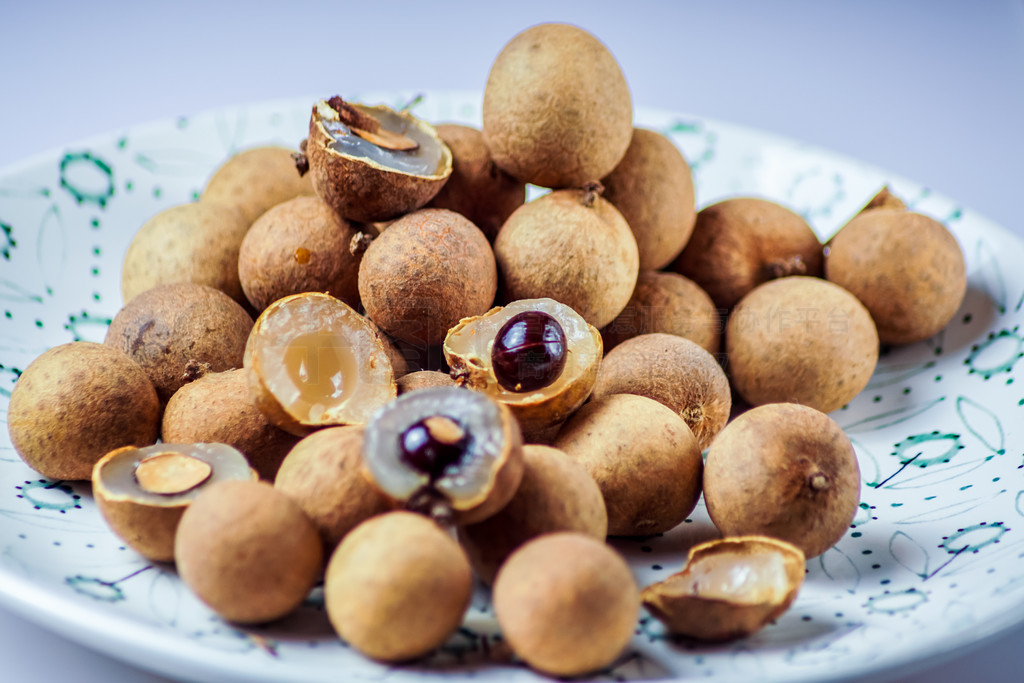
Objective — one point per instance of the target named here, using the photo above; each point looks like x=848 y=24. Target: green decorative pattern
x=933 y=552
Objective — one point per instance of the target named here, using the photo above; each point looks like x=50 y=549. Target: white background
x=931 y=90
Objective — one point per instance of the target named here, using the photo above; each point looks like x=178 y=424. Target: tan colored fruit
x=448 y=452
x=179 y=332
x=571 y=246
x=739 y=243
x=652 y=187
x=786 y=471
x=365 y=175
x=567 y=603
x=670 y=303
x=906 y=268
x=643 y=457
x=556 y=494
x=426 y=271
x=143 y=492
x=469 y=349
x=397 y=587
x=313 y=361
x=195 y=242
x=75 y=403
x=324 y=474
x=217 y=408
x=729 y=588
x=675 y=372
x=801 y=340
x=477 y=188
x=557 y=110
x=298 y=246
x=423 y=379
x=247 y=551
x=255 y=179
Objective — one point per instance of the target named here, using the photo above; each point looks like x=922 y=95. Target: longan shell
x=424 y=273
x=905 y=267
x=397 y=587
x=675 y=372
x=555 y=494
x=671 y=303
x=557 y=110
x=786 y=471
x=567 y=603
x=652 y=187
x=323 y=474
x=196 y=242
x=740 y=242
x=255 y=179
x=247 y=551
x=300 y=245
x=573 y=247
x=363 y=191
x=800 y=340
x=217 y=408
x=643 y=457
x=477 y=188
x=76 y=402
x=178 y=331
x=423 y=379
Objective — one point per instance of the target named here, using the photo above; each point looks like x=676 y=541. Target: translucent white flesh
x=425 y=160
x=736 y=577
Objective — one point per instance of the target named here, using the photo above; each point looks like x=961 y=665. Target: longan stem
x=430 y=502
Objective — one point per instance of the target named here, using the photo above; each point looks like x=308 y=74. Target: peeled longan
x=426 y=271
x=674 y=371
x=300 y=245
x=557 y=110
x=740 y=242
x=653 y=189
x=477 y=188
x=256 y=179
x=670 y=303
x=800 y=340
x=75 y=403
x=567 y=603
x=571 y=246
x=786 y=471
x=644 y=458
x=905 y=267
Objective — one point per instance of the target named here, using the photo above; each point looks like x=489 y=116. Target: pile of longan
x=370 y=361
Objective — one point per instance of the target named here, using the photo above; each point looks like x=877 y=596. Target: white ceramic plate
x=931 y=565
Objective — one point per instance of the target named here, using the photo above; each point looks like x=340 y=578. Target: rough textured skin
x=425 y=272
x=195 y=242
x=644 y=458
x=739 y=243
x=217 y=408
x=178 y=332
x=299 y=246
x=800 y=340
x=256 y=179
x=423 y=379
x=397 y=587
x=785 y=471
x=557 y=110
x=247 y=551
x=367 y=193
x=323 y=474
x=906 y=268
x=477 y=188
x=557 y=246
x=673 y=371
x=76 y=402
x=556 y=494
x=669 y=303
x=567 y=603
x=653 y=189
